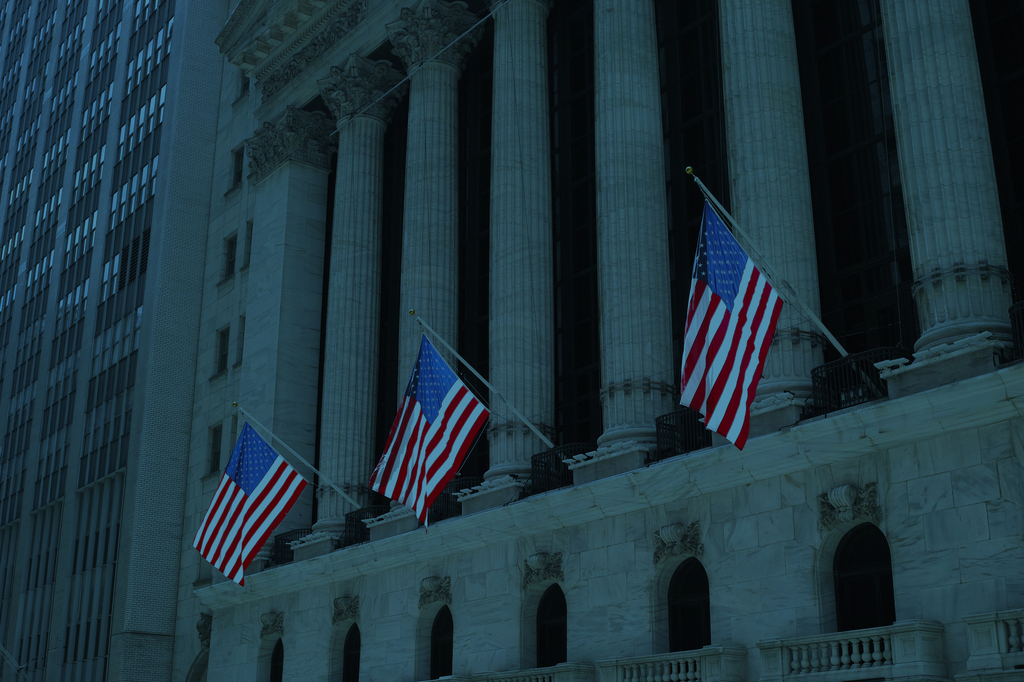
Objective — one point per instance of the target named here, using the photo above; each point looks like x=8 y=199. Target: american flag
x=436 y=425
x=730 y=323
x=256 y=491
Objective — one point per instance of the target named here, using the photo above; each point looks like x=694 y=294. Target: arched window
x=689 y=608
x=277 y=663
x=441 y=644
x=863 y=577
x=350 y=665
x=551 y=628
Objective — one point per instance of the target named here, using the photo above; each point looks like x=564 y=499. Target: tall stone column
x=961 y=285
x=637 y=367
x=522 y=300
x=770 y=188
x=290 y=162
x=355 y=93
x=430 y=223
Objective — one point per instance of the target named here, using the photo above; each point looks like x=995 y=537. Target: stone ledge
x=494 y=493
x=943 y=365
x=610 y=460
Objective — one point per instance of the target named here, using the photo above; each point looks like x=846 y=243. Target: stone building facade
x=513 y=171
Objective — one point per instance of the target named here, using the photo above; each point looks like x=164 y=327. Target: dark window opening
x=277 y=663
x=862 y=568
x=552 y=633
x=350 y=667
x=223 y=339
x=230 y=249
x=215 y=448
x=689 y=608
x=238 y=167
x=441 y=635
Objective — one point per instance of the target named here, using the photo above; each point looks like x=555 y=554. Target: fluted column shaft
x=961 y=285
x=770 y=186
x=521 y=292
x=632 y=240
x=356 y=95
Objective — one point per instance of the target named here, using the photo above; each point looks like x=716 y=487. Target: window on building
x=238 y=167
x=230 y=250
x=215 y=448
x=243 y=84
x=441 y=644
x=862 y=568
x=247 y=253
x=277 y=663
x=223 y=339
x=350 y=665
x=241 y=340
x=689 y=608
x=551 y=628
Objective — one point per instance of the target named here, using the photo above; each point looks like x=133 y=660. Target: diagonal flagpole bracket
x=543 y=439
x=251 y=419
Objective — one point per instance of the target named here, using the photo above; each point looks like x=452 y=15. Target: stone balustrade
x=996 y=640
x=563 y=672
x=905 y=649
x=710 y=664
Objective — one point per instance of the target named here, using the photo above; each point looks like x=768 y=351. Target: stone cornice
x=300 y=135
x=362 y=87
x=988 y=399
x=431 y=26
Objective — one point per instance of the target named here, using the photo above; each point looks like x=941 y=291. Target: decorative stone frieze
x=845 y=503
x=542 y=566
x=433 y=26
x=273 y=622
x=434 y=589
x=675 y=539
x=204 y=626
x=299 y=135
x=345 y=608
x=362 y=87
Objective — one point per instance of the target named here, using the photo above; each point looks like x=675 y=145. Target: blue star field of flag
x=250 y=461
x=720 y=260
x=431 y=380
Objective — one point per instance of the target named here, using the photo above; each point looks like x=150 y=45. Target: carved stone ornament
x=345 y=608
x=300 y=135
x=675 y=539
x=362 y=87
x=542 y=566
x=272 y=622
x=845 y=503
x=204 y=626
x=272 y=81
x=434 y=589
x=430 y=27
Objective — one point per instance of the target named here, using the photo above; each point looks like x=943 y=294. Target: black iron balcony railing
x=849 y=381
x=355 y=530
x=282 y=552
x=446 y=506
x=549 y=472
x=1017 y=323
x=678 y=433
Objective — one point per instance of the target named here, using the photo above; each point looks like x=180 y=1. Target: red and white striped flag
x=436 y=426
x=730 y=323
x=256 y=491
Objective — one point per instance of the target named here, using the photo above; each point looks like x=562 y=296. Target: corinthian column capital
x=361 y=87
x=299 y=135
x=431 y=26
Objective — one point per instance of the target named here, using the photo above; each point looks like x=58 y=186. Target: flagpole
x=13 y=662
x=543 y=439
x=778 y=281
x=248 y=416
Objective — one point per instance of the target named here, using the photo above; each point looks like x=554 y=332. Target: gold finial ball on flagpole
x=412 y=311
x=689 y=170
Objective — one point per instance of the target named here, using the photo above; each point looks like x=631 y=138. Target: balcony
x=355 y=530
x=710 y=664
x=908 y=649
x=1017 y=324
x=282 y=551
x=549 y=472
x=996 y=642
x=446 y=505
x=678 y=433
x=849 y=381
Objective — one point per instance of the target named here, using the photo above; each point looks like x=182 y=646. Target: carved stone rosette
x=361 y=84
x=345 y=608
x=204 y=626
x=299 y=135
x=845 y=503
x=675 y=539
x=543 y=566
x=430 y=27
x=434 y=589
x=273 y=622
